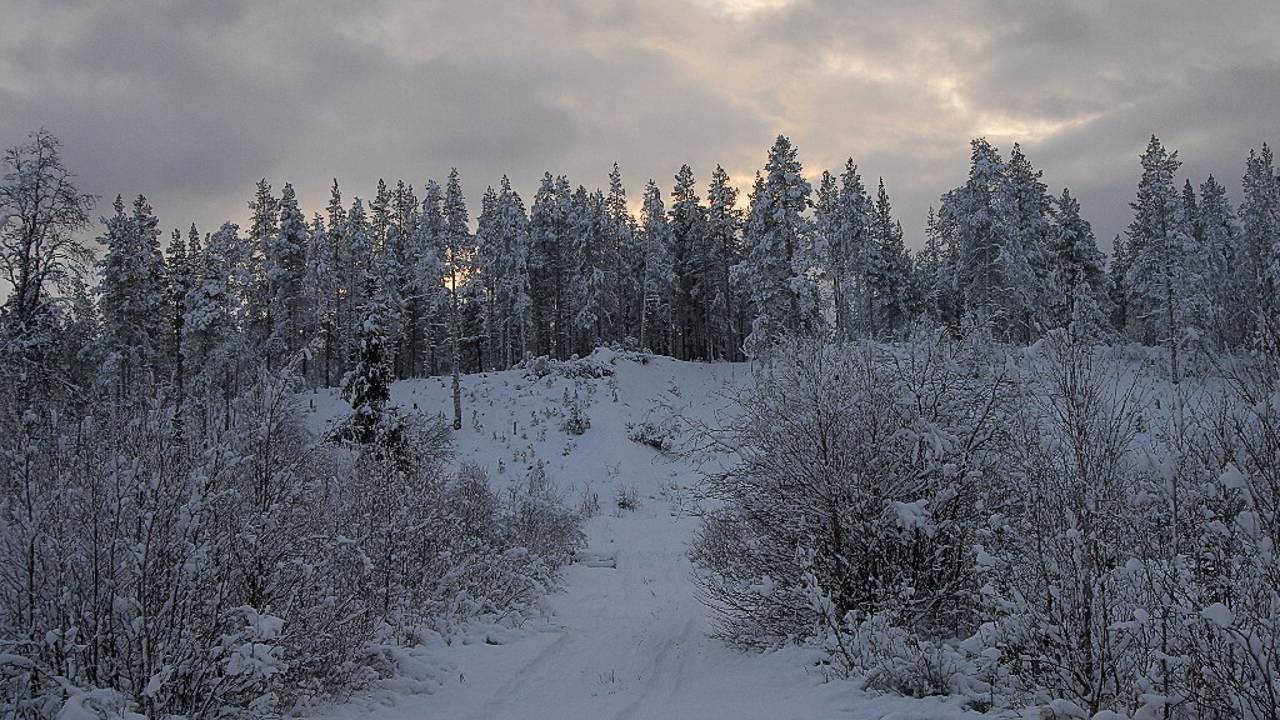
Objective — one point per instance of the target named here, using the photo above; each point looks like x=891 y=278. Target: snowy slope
x=626 y=637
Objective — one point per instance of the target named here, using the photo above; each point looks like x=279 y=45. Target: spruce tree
x=264 y=211
x=367 y=386
x=1260 y=237
x=1077 y=274
x=843 y=222
x=1163 y=272
x=622 y=244
x=657 y=279
x=284 y=268
x=967 y=221
x=776 y=234
x=689 y=260
x=890 y=269
x=1225 y=283
x=594 y=268
x=458 y=255
x=133 y=292
x=428 y=278
x=1021 y=225
x=724 y=248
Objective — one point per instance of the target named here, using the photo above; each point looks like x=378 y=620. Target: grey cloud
x=191 y=102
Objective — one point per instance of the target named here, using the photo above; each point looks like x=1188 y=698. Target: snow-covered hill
x=626 y=636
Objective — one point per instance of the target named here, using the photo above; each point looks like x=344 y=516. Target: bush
x=576 y=421
x=250 y=568
x=875 y=467
x=659 y=436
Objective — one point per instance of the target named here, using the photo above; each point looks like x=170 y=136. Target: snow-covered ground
x=626 y=636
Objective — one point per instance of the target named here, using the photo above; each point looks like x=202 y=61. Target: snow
x=1218 y=614
x=626 y=636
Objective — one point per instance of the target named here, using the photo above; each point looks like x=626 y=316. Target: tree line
x=697 y=279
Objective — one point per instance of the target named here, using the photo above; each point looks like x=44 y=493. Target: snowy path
x=628 y=642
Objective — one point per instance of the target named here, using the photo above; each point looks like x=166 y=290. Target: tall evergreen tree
x=264 y=210
x=1022 y=207
x=428 y=278
x=513 y=287
x=967 y=220
x=594 y=267
x=724 y=248
x=212 y=339
x=284 y=269
x=932 y=275
x=622 y=244
x=1260 y=236
x=1162 y=272
x=551 y=262
x=1077 y=280
x=689 y=258
x=1225 y=284
x=657 y=282
x=890 y=269
x=776 y=234
x=458 y=256
x=133 y=293
x=843 y=218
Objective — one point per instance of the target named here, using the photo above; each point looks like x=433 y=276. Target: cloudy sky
x=191 y=102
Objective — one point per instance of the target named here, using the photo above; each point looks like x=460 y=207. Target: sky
x=190 y=103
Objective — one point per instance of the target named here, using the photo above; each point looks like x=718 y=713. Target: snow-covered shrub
x=247 y=567
x=588 y=367
x=871 y=470
x=537 y=519
x=657 y=435
x=1054 y=556
x=626 y=497
x=575 y=421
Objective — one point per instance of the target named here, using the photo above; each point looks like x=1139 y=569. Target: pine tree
x=967 y=221
x=843 y=223
x=657 y=279
x=689 y=258
x=550 y=263
x=1260 y=236
x=1022 y=207
x=622 y=244
x=1162 y=272
x=212 y=340
x=133 y=293
x=594 y=268
x=367 y=387
x=329 y=264
x=932 y=273
x=284 y=271
x=180 y=276
x=488 y=262
x=395 y=269
x=428 y=277
x=775 y=237
x=1225 y=284
x=458 y=255
x=889 y=270
x=514 y=302
x=1077 y=274
x=724 y=247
